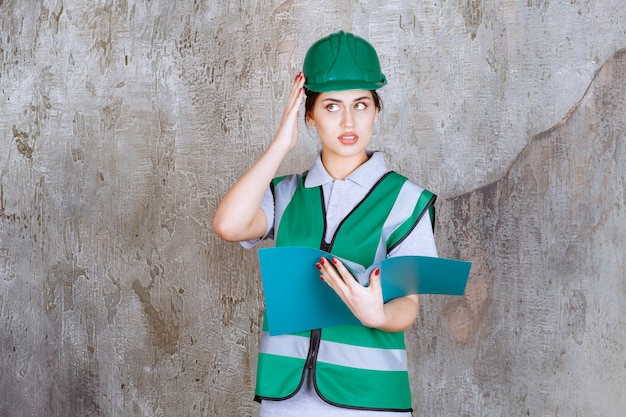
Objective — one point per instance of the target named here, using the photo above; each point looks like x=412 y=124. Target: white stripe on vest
x=369 y=358
x=283 y=194
x=402 y=209
x=333 y=353
x=285 y=345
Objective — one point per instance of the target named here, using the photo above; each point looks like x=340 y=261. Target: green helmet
x=342 y=61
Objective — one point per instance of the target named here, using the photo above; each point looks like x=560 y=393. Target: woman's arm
x=239 y=216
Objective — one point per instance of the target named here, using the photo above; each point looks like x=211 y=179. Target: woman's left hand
x=366 y=303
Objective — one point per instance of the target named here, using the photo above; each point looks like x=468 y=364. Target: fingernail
x=322 y=277
x=322 y=260
x=318 y=266
x=335 y=261
x=377 y=272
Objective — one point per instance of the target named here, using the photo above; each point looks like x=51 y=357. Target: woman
x=350 y=205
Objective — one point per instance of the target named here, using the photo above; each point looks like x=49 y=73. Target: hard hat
x=342 y=61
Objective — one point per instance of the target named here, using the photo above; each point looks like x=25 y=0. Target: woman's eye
x=360 y=106
x=332 y=107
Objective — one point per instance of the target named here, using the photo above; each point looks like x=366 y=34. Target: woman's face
x=345 y=123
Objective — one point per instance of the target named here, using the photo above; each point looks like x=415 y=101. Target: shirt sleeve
x=420 y=242
x=267 y=205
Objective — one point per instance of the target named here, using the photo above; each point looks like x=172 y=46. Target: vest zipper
x=314 y=346
x=316 y=335
x=326 y=247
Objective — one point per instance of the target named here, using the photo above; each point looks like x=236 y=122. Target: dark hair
x=311 y=98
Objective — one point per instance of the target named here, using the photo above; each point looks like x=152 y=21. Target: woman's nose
x=348 y=118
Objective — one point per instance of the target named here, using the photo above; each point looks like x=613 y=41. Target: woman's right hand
x=287 y=133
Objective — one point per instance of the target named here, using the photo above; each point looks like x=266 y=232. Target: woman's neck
x=339 y=167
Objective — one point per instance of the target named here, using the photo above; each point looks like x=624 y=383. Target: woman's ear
x=309 y=119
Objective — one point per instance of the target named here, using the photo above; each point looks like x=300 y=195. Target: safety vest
x=351 y=366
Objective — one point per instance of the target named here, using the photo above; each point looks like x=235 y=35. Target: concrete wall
x=123 y=122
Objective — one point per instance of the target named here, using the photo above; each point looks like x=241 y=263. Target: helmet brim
x=342 y=85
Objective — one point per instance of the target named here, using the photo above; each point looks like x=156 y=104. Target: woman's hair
x=311 y=98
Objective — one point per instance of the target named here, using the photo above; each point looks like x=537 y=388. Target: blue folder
x=297 y=300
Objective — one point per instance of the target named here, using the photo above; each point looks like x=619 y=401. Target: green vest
x=351 y=366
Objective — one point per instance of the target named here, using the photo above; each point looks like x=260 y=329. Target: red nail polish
x=318 y=266
x=322 y=260
x=322 y=277
x=335 y=261
x=377 y=272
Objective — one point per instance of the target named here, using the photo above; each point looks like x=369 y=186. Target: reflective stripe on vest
x=334 y=353
x=283 y=189
x=346 y=361
x=285 y=345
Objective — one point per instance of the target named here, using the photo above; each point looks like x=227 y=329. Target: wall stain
x=164 y=322
x=472 y=14
x=58 y=288
x=110 y=113
x=21 y=141
x=112 y=300
x=100 y=25
x=28 y=131
x=52 y=16
x=228 y=306
x=282 y=11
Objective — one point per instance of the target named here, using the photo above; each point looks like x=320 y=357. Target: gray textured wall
x=123 y=122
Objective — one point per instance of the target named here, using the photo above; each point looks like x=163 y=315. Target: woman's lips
x=348 y=138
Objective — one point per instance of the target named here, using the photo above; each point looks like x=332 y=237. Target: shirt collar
x=365 y=176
